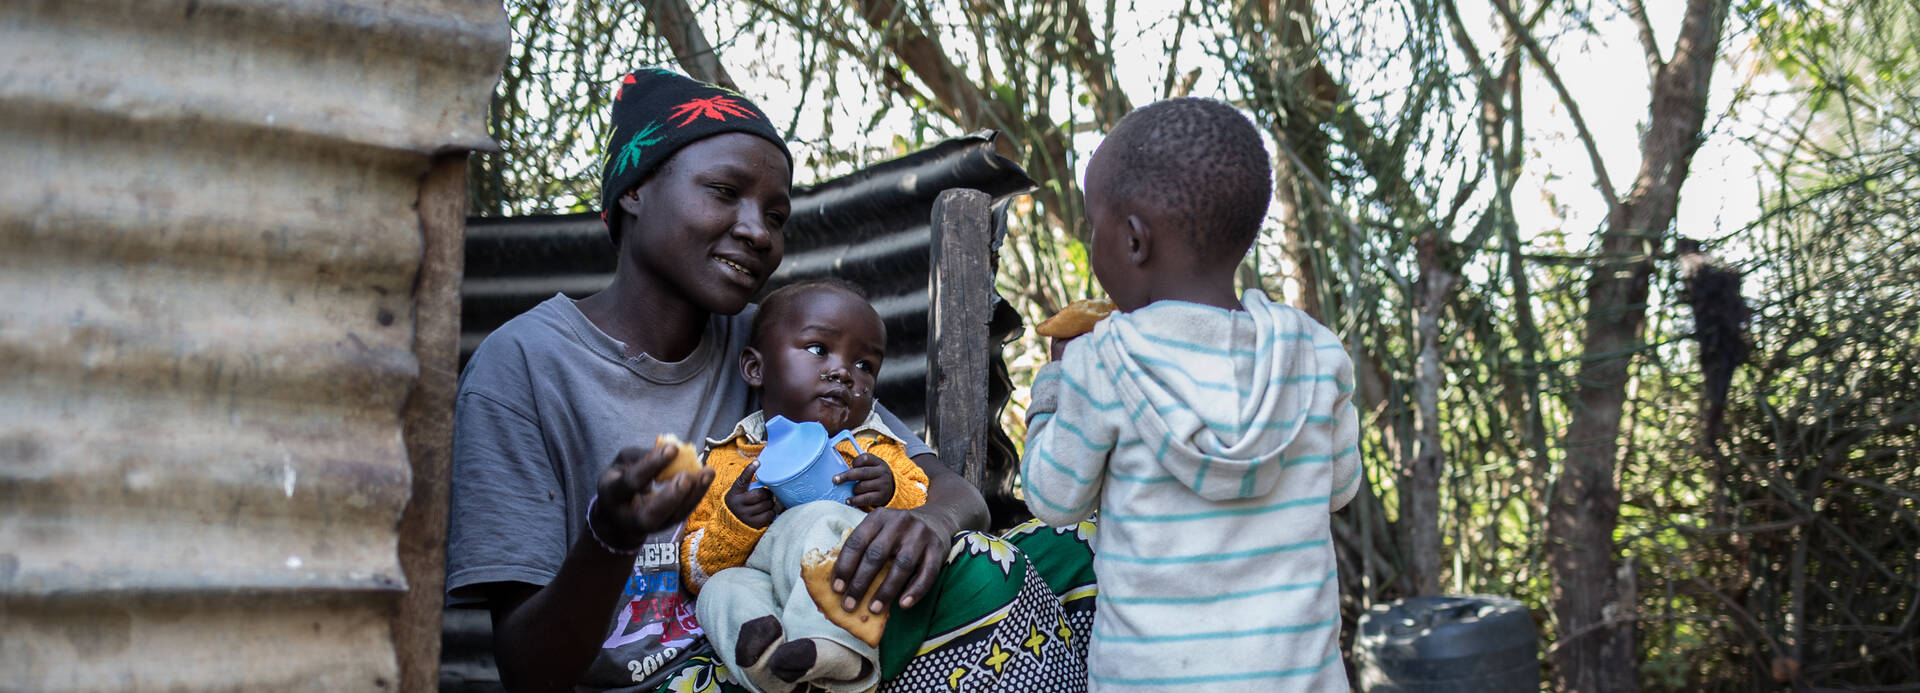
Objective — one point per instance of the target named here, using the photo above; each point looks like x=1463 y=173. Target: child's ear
x=630 y=202
x=1139 y=240
x=750 y=367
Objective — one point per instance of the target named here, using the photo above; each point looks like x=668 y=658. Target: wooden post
x=960 y=299
x=429 y=421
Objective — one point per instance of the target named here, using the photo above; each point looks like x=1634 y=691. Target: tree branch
x=831 y=38
x=1573 y=109
x=949 y=86
x=675 y=21
x=1109 y=102
x=1173 y=50
x=1458 y=30
x=1676 y=111
x=1638 y=12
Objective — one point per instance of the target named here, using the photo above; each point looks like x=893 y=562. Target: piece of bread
x=686 y=461
x=1076 y=319
x=816 y=570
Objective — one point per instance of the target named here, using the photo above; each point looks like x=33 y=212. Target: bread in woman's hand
x=1076 y=319
x=816 y=570
x=685 y=460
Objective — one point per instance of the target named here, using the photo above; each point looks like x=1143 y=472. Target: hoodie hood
x=1227 y=396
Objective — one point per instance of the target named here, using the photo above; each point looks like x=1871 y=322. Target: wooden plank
x=960 y=299
x=429 y=421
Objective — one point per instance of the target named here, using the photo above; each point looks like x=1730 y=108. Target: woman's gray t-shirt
x=544 y=405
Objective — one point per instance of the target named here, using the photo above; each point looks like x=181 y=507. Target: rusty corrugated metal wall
x=209 y=246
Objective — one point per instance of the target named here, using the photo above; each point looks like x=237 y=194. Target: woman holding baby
x=577 y=559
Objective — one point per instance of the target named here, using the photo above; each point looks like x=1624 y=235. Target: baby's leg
x=738 y=611
x=815 y=651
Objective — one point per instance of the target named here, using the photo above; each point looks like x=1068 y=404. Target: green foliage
x=1075 y=263
x=1844 y=50
x=1795 y=548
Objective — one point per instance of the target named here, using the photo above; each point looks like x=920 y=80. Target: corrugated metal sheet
x=211 y=243
x=869 y=227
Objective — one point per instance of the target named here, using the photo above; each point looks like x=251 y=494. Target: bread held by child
x=1076 y=319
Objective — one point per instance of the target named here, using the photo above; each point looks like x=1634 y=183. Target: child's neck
x=1216 y=293
x=766 y=415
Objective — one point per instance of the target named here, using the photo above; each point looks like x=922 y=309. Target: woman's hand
x=914 y=542
x=545 y=636
x=756 y=507
x=872 y=481
x=632 y=504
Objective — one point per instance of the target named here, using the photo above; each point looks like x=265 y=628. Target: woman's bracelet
x=635 y=551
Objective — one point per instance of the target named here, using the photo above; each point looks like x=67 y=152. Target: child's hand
x=872 y=481
x=755 y=507
x=1058 y=348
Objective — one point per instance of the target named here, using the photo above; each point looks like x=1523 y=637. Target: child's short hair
x=777 y=299
x=1197 y=159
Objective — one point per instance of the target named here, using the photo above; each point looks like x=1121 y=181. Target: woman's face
x=818 y=359
x=707 y=224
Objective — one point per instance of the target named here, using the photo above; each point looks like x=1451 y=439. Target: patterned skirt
x=1009 y=613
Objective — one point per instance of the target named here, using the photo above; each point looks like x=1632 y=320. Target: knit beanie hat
x=658 y=111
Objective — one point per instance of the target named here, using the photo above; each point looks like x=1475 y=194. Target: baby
x=1214 y=434
x=814 y=355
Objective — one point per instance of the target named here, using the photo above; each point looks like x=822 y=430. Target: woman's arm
x=545 y=637
x=913 y=541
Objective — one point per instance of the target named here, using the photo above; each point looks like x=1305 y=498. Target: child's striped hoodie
x=1214 y=444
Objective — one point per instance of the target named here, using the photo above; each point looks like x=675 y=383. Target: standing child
x=1213 y=435
x=814 y=352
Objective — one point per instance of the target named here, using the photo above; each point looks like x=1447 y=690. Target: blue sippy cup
x=799 y=462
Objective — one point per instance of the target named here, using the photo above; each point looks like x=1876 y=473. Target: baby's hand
x=872 y=482
x=755 y=507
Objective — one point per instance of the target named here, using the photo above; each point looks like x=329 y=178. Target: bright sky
x=1609 y=81
x=1606 y=75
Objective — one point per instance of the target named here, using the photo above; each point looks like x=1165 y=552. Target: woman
x=577 y=561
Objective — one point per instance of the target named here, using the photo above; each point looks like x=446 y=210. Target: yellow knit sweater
x=716 y=540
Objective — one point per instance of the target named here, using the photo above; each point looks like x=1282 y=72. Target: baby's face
x=819 y=359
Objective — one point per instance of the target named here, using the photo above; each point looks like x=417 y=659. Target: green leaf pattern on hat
x=630 y=154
